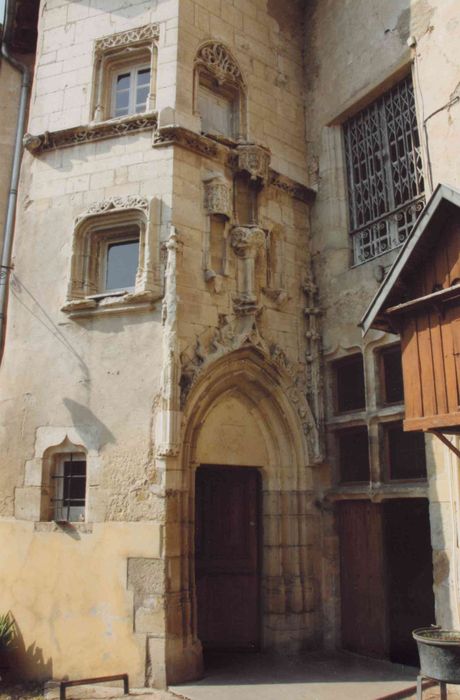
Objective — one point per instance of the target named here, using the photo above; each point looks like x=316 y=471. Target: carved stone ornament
x=132 y=201
x=219 y=62
x=255 y=160
x=50 y=140
x=246 y=241
x=131 y=37
x=217 y=198
x=234 y=335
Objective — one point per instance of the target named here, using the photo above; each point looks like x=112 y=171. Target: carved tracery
x=217 y=71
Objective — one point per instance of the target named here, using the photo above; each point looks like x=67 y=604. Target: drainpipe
x=5 y=267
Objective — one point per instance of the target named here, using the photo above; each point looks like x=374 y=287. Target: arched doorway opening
x=238 y=416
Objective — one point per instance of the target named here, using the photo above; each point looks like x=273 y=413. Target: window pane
x=353 y=454
x=142 y=94
x=349 y=383
x=123 y=81
x=406 y=453
x=122 y=262
x=392 y=375
x=143 y=77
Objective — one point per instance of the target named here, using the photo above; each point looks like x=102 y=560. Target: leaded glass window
x=385 y=174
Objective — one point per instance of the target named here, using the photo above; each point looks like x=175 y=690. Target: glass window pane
x=349 y=380
x=123 y=81
x=142 y=94
x=353 y=454
x=406 y=453
x=122 y=261
x=143 y=77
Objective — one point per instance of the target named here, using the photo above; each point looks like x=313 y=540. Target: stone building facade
x=181 y=305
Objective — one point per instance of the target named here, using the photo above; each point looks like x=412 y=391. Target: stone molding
x=133 y=201
x=217 y=60
x=231 y=336
x=75 y=135
x=291 y=187
x=130 y=37
x=179 y=136
x=255 y=160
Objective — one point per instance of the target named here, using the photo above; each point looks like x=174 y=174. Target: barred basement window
x=385 y=175
x=69 y=488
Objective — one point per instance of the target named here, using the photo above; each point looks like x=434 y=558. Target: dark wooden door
x=364 y=627
x=409 y=574
x=227 y=557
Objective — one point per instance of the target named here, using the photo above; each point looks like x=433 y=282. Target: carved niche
x=247 y=242
x=218 y=207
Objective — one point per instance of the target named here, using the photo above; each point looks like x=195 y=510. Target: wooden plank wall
x=430 y=340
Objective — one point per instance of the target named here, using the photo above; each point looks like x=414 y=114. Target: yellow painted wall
x=68 y=594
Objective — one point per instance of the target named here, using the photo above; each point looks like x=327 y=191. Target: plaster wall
x=69 y=592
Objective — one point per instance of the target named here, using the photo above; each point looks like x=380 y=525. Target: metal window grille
x=385 y=174
x=70 y=489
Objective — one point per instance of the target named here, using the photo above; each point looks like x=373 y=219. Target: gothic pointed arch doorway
x=238 y=416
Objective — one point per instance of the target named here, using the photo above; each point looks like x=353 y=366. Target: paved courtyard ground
x=315 y=676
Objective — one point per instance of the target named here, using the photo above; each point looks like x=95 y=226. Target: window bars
x=70 y=488
x=385 y=174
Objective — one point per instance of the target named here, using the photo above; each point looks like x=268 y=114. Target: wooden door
x=364 y=628
x=227 y=557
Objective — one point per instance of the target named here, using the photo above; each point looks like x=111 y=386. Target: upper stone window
x=385 y=174
x=125 y=73
x=220 y=92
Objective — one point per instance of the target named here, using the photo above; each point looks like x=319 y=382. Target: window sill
x=377 y=491
x=95 y=131
x=116 y=303
x=63 y=526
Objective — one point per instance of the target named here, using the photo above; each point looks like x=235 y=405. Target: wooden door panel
x=227 y=557
x=362 y=578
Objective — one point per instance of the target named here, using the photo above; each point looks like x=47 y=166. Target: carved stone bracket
x=131 y=37
x=219 y=62
x=51 y=140
x=255 y=160
x=113 y=203
x=217 y=196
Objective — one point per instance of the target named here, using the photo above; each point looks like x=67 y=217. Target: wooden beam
x=446 y=442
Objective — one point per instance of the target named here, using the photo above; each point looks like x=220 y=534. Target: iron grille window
x=70 y=488
x=385 y=175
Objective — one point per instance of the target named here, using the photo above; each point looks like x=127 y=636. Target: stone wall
x=354 y=52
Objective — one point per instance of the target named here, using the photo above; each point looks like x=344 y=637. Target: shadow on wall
x=82 y=415
x=27 y=663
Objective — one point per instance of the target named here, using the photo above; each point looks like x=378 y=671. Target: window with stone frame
x=113 y=256
x=68 y=488
x=390 y=374
x=125 y=66
x=404 y=453
x=219 y=93
x=384 y=172
x=349 y=390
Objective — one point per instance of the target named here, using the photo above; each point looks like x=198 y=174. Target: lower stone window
x=405 y=453
x=113 y=260
x=353 y=452
x=69 y=488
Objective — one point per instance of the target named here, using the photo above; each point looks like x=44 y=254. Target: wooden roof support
x=446 y=441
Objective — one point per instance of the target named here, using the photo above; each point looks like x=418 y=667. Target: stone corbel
x=255 y=160
x=246 y=242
